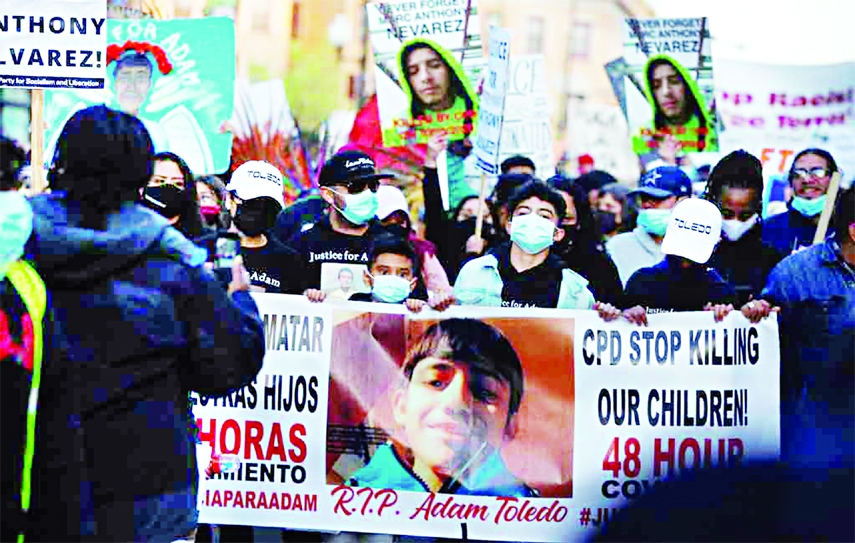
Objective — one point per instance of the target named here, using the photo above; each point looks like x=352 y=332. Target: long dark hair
x=822 y=153
x=190 y=221
x=103 y=158
x=417 y=108
x=587 y=237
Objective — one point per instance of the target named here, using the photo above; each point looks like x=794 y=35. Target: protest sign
x=775 y=111
x=526 y=126
x=177 y=76
x=670 y=63
x=53 y=44
x=493 y=102
x=428 y=59
x=601 y=131
x=368 y=418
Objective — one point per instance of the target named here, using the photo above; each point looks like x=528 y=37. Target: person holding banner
x=524 y=272
x=682 y=281
x=459 y=392
x=349 y=183
x=736 y=187
x=809 y=176
x=658 y=191
x=679 y=110
x=814 y=291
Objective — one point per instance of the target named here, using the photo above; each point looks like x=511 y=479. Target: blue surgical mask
x=532 y=233
x=16 y=225
x=390 y=289
x=359 y=208
x=654 y=221
x=809 y=208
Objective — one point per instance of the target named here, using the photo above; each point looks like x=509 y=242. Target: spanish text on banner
x=367 y=418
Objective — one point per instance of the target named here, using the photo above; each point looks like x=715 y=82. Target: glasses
x=819 y=173
x=356 y=186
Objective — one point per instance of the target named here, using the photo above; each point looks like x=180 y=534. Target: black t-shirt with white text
x=539 y=286
x=275 y=267
x=322 y=245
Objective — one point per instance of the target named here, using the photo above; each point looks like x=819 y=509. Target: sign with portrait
x=670 y=95
x=176 y=76
x=428 y=63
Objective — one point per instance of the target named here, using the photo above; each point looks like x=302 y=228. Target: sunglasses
x=356 y=186
x=819 y=173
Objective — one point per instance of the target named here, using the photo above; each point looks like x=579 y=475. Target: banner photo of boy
x=671 y=95
x=459 y=406
x=176 y=76
x=427 y=62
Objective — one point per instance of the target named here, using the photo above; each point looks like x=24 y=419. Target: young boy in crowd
x=393 y=272
x=461 y=388
x=683 y=282
x=524 y=272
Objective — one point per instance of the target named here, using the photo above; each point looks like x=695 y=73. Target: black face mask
x=608 y=221
x=167 y=200
x=571 y=234
x=466 y=228
x=255 y=217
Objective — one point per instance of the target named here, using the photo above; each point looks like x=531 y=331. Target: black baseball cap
x=347 y=167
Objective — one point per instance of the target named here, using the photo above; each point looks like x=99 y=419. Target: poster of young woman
x=176 y=76
x=428 y=63
x=670 y=95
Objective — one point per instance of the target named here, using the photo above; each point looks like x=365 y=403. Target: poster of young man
x=174 y=77
x=670 y=98
x=428 y=61
x=461 y=406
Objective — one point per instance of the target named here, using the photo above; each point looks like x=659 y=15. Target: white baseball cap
x=694 y=230
x=255 y=179
x=389 y=200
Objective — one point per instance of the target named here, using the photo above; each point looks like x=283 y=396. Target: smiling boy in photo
x=460 y=391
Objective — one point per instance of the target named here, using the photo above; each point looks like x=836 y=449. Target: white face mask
x=733 y=229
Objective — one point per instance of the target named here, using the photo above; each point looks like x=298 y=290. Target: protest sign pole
x=825 y=218
x=37 y=139
x=479 y=221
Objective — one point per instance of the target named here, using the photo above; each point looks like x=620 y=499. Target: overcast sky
x=774 y=31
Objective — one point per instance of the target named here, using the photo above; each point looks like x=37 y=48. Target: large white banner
x=776 y=111
x=367 y=418
x=50 y=44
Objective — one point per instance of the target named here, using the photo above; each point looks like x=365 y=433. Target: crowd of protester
x=119 y=238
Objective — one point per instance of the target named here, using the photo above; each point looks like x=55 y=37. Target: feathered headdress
x=115 y=52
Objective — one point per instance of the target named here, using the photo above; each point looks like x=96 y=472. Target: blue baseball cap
x=664 y=182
